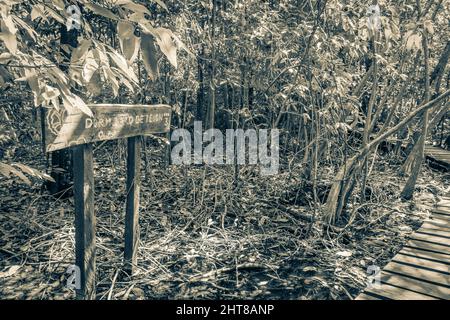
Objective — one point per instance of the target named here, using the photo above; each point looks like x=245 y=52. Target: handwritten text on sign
x=65 y=129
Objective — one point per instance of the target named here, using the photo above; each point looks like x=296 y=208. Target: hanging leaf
x=33 y=81
x=8 y=25
x=5 y=76
x=101 y=10
x=90 y=67
x=137 y=17
x=100 y=55
x=138 y=8
x=429 y=26
x=72 y=101
x=59 y=4
x=162 y=4
x=129 y=43
x=55 y=15
x=8 y=34
x=109 y=74
x=5 y=57
x=122 y=64
x=414 y=42
x=149 y=55
x=37 y=12
x=80 y=52
x=94 y=87
x=181 y=45
x=50 y=93
x=31 y=32
x=166 y=44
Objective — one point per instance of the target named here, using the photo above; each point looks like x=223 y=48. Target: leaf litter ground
x=205 y=236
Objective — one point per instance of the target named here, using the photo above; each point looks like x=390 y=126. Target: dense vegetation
x=355 y=107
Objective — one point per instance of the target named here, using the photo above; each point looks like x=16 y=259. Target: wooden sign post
x=73 y=128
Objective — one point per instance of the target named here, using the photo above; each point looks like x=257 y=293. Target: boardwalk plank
x=415 y=285
x=438 y=223
x=364 y=296
x=429 y=246
x=445 y=223
x=443 y=203
x=434 y=225
x=428 y=237
x=416 y=272
x=441 y=211
x=419 y=261
x=440 y=216
x=435 y=232
x=391 y=292
x=427 y=254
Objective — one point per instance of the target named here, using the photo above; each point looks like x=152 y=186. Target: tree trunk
x=61 y=160
x=408 y=190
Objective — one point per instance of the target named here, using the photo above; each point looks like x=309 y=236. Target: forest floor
x=203 y=236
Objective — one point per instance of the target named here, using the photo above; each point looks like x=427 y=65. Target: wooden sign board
x=65 y=129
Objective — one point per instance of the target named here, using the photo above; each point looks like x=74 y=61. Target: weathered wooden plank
x=431 y=238
x=421 y=262
x=132 y=205
x=443 y=233
x=440 y=216
x=65 y=128
x=436 y=225
x=83 y=186
x=395 y=293
x=444 y=204
x=364 y=296
x=415 y=285
x=428 y=246
x=438 y=222
x=418 y=273
x=441 y=211
x=423 y=253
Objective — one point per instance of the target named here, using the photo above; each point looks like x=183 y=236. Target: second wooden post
x=132 y=206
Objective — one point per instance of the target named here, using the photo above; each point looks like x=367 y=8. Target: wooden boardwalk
x=438 y=155
x=421 y=270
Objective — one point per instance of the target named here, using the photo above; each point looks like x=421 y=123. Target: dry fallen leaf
x=344 y=253
x=12 y=270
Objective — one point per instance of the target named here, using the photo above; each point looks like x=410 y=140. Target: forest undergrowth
x=206 y=235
